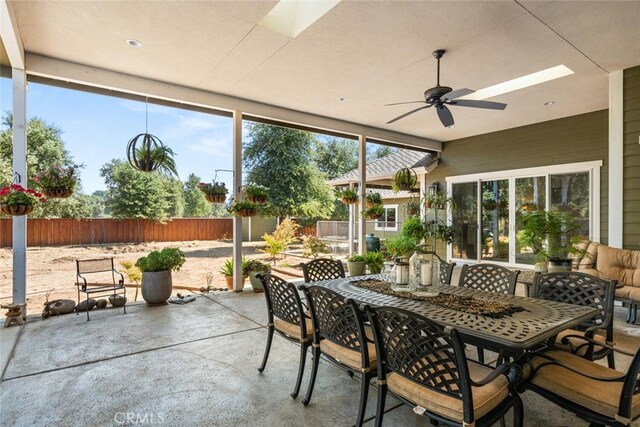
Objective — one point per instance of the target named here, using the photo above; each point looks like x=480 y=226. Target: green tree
x=96 y=202
x=195 y=204
x=45 y=148
x=174 y=197
x=281 y=159
x=134 y=194
x=335 y=156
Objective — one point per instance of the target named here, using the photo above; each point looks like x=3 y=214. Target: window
x=388 y=220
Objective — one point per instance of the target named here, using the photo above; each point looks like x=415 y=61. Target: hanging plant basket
x=412 y=211
x=258 y=200
x=349 y=200
x=58 y=192
x=16 y=210
x=215 y=198
x=404 y=180
x=147 y=153
x=373 y=199
x=245 y=212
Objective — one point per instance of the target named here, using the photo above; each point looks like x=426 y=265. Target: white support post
x=362 y=176
x=19 y=80
x=616 y=159
x=352 y=226
x=238 y=281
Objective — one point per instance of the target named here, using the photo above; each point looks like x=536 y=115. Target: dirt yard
x=54 y=269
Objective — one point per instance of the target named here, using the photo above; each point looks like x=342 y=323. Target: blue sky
x=96 y=129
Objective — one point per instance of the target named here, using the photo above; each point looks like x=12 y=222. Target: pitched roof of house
x=385 y=167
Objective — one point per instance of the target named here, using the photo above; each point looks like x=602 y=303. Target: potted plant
x=227 y=271
x=356 y=265
x=251 y=268
x=404 y=180
x=373 y=199
x=57 y=182
x=15 y=200
x=243 y=208
x=156 y=270
x=548 y=234
x=373 y=212
x=349 y=196
x=412 y=208
x=150 y=157
x=374 y=261
x=257 y=194
x=215 y=192
x=398 y=246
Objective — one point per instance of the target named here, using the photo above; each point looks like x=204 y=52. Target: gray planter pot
x=256 y=283
x=156 y=287
x=356 y=268
x=559 y=265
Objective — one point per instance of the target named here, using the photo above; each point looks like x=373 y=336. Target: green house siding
x=383 y=234
x=569 y=140
x=631 y=173
x=259 y=226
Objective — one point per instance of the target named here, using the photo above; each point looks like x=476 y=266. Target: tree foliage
x=195 y=204
x=281 y=159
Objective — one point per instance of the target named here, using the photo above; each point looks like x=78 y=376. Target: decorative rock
x=83 y=305
x=101 y=303
x=62 y=306
x=117 y=300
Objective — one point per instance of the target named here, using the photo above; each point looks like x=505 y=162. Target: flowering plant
x=57 y=177
x=216 y=188
x=15 y=194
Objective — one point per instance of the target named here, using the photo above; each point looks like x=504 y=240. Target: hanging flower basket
x=348 y=196
x=15 y=210
x=246 y=212
x=412 y=211
x=258 y=194
x=404 y=180
x=374 y=212
x=58 y=192
x=215 y=198
x=243 y=208
x=373 y=199
x=258 y=200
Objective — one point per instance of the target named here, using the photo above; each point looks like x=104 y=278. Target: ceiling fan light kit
x=440 y=97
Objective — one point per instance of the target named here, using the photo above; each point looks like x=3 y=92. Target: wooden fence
x=56 y=232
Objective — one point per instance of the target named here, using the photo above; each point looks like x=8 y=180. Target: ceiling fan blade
x=479 y=104
x=402 y=116
x=445 y=116
x=458 y=93
x=408 y=102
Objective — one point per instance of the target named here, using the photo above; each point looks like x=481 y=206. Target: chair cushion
x=628 y=292
x=346 y=356
x=620 y=264
x=590 y=257
x=599 y=396
x=293 y=330
x=485 y=398
x=575 y=342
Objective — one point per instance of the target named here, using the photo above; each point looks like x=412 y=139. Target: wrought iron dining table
x=512 y=334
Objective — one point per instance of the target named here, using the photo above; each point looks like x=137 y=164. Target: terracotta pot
x=156 y=287
x=258 y=200
x=58 y=192
x=15 y=210
x=229 y=280
x=247 y=212
x=216 y=198
x=412 y=211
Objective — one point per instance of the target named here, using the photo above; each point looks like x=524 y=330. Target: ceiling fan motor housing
x=435 y=93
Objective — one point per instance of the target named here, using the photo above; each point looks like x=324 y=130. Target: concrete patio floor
x=191 y=365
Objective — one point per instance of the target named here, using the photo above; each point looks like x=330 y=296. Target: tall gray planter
x=156 y=287
x=356 y=268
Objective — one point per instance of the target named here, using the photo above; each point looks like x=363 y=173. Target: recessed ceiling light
x=548 y=103
x=344 y=98
x=521 y=82
x=134 y=43
x=291 y=17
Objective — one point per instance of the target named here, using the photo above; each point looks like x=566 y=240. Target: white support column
x=423 y=190
x=19 y=80
x=237 y=220
x=362 y=176
x=616 y=159
x=352 y=226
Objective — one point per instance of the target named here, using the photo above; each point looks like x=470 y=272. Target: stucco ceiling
x=372 y=52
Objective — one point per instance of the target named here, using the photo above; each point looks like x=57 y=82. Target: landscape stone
x=83 y=305
x=101 y=303
x=117 y=300
x=62 y=306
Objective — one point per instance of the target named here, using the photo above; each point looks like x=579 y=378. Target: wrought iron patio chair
x=446 y=270
x=287 y=317
x=339 y=335
x=104 y=272
x=595 y=393
x=488 y=278
x=322 y=269
x=424 y=365
x=585 y=290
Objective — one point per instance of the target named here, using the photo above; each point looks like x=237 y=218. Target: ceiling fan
x=441 y=96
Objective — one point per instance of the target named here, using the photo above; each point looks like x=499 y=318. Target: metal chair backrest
x=283 y=300
x=446 y=270
x=579 y=289
x=489 y=278
x=94 y=265
x=422 y=351
x=322 y=269
x=336 y=319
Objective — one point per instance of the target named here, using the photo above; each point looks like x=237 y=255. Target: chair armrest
x=121 y=281
x=588 y=340
x=503 y=369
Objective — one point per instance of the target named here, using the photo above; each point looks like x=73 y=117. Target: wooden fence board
x=59 y=232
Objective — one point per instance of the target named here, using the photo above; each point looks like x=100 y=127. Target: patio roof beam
x=56 y=69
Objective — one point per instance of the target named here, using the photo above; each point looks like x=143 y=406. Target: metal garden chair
x=107 y=280
x=322 y=269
